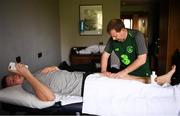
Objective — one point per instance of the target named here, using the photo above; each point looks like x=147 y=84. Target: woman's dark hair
x=116 y=24
x=3 y=82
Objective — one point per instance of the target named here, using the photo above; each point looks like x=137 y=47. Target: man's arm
x=141 y=59
x=41 y=90
x=104 y=63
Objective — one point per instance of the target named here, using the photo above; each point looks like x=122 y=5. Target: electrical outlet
x=39 y=54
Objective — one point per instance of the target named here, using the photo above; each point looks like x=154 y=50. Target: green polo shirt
x=128 y=51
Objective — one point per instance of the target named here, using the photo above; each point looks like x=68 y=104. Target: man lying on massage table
x=51 y=79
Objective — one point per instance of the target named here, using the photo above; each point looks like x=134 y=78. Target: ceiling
x=137 y=2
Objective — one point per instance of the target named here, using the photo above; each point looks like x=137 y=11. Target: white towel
x=116 y=97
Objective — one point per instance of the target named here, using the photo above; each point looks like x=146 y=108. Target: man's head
x=11 y=80
x=116 y=29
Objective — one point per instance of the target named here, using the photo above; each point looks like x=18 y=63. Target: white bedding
x=92 y=49
x=116 y=97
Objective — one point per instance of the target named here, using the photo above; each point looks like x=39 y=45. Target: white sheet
x=116 y=97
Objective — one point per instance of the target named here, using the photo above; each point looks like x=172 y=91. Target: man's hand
x=49 y=69
x=120 y=74
x=22 y=70
x=106 y=73
x=113 y=75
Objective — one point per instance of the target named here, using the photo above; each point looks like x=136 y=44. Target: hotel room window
x=128 y=23
x=136 y=21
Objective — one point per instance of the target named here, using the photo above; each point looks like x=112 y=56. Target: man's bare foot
x=166 y=78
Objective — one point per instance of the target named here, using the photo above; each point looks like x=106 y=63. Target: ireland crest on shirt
x=129 y=49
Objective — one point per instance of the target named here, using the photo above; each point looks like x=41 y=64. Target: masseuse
x=130 y=47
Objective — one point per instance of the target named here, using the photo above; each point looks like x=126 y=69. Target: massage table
x=113 y=97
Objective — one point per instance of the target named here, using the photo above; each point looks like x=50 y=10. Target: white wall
x=69 y=23
x=28 y=27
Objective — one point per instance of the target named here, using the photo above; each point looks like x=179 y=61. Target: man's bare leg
x=166 y=78
x=136 y=78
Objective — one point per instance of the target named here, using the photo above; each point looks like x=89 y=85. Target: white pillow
x=18 y=96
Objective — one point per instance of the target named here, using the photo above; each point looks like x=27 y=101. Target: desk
x=77 y=59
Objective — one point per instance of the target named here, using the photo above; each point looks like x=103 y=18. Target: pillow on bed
x=16 y=95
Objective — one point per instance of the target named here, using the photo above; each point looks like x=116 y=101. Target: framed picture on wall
x=90 y=20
